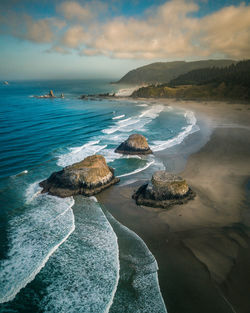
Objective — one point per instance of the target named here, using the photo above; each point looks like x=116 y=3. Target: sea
x=72 y=255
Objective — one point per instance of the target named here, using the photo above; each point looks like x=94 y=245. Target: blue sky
x=89 y=39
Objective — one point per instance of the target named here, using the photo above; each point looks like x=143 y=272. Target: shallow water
x=39 y=136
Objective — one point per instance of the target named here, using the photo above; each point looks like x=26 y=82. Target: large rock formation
x=135 y=144
x=163 y=191
x=87 y=177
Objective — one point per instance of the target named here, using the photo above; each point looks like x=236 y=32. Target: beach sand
x=202 y=247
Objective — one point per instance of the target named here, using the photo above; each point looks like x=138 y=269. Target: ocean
x=71 y=255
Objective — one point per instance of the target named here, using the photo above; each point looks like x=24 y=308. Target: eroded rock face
x=164 y=190
x=87 y=177
x=135 y=144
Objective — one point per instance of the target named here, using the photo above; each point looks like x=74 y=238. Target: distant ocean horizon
x=70 y=255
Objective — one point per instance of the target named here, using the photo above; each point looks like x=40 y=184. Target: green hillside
x=163 y=72
x=232 y=82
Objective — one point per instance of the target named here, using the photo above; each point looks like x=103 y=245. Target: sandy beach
x=202 y=247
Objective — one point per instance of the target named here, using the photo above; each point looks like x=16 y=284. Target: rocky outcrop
x=87 y=177
x=49 y=95
x=164 y=191
x=135 y=144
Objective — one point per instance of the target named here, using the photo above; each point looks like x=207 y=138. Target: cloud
x=164 y=33
x=172 y=30
x=75 y=12
x=25 y=27
x=227 y=31
x=74 y=37
x=58 y=49
x=72 y=10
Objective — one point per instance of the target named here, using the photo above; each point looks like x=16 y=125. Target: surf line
x=138 y=170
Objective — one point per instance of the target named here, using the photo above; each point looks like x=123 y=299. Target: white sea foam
x=118 y=117
x=133 y=156
x=138 y=169
x=159 y=145
x=32 y=191
x=93 y=198
x=125 y=92
x=22 y=173
x=153 y=112
x=121 y=125
x=142 y=105
x=82 y=275
x=34 y=235
x=136 y=122
x=110 y=155
x=77 y=154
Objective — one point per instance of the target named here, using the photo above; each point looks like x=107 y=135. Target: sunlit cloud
x=227 y=32
x=74 y=37
x=73 y=11
x=169 y=31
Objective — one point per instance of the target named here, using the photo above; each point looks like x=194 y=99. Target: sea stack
x=51 y=94
x=164 y=191
x=87 y=178
x=135 y=144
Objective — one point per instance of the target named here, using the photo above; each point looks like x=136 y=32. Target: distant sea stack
x=87 y=178
x=50 y=95
x=135 y=144
x=164 y=191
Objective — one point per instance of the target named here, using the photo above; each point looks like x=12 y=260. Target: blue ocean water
x=42 y=241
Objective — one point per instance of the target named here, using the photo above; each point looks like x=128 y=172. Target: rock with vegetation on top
x=135 y=144
x=164 y=190
x=87 y=177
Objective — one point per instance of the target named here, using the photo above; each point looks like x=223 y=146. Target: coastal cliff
x=164 y=72
x=209 y=83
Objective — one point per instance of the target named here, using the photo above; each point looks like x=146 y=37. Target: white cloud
x=74 y=37
x=169 y=31
x=227 y=32
x=72 y=10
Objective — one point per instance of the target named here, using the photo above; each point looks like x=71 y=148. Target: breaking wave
x=77 y=154
x=118 y=117
x=192 y=127
x=82 y=276
x=138 y=170
x=34 y=235
x=137 y=122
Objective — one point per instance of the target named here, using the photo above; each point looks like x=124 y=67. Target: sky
x=41 y=39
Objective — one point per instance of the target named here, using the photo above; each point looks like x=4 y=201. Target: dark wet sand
x=203 y=247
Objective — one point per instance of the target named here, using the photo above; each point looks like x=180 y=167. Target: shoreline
x=199 y=245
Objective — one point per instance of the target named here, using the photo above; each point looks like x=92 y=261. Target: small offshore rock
x=49 y=95
x=164 y=191
x=87 y=178
x=135 y=144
